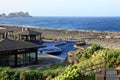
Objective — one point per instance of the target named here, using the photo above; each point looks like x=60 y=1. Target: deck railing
x=93 y=67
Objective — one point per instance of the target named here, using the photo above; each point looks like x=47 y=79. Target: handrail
x=90 y=68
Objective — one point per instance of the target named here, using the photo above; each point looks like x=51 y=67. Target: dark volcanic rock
x=19 y=14
x=16 y=14
x=71 y=58
x=3 y=15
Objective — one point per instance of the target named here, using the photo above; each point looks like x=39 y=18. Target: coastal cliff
x=16 y=14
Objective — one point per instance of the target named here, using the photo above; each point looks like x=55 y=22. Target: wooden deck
x=108 y=74
x=111 y=74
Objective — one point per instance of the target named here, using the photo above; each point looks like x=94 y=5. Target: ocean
x=109 y=24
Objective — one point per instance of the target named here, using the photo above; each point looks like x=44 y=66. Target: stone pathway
x=43 y=60
x=111 y=74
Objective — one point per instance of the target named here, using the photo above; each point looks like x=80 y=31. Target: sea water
x=110 y=24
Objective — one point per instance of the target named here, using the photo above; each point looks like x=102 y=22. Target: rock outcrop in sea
x=3 y=15
x=16 y=14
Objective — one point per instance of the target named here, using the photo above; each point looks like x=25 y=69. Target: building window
x=26 y=58
x=7 y=60
x=11 y=60
x=20 y=59
x=32 y=56
x=4 y=61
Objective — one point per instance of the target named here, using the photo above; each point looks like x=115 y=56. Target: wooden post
x=16 y=60
x=19 y=37
x=40 y=37
x=35 y=37
x=36 y=57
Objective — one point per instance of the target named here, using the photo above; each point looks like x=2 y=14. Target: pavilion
x=29 y=35
x=17 y=53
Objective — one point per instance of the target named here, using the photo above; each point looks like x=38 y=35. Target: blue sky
x=62 y=7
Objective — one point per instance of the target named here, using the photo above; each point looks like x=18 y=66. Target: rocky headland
x=16 y=14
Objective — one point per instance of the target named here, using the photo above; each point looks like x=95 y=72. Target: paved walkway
x=43 y=60
x=111 y=74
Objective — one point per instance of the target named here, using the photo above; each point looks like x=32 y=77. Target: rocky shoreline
x=105 y=39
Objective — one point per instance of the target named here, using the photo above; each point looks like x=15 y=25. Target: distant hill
x=16 y=14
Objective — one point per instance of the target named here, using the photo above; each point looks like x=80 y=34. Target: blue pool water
x=65 y=48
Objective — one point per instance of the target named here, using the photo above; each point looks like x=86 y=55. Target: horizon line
x=75 y=16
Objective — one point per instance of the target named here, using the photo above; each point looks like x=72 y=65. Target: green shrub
x=70 y=73
x=90 y=76
x=89 y=52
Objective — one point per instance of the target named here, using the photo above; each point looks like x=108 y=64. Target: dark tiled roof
x=8 y=44
x=29 y=32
